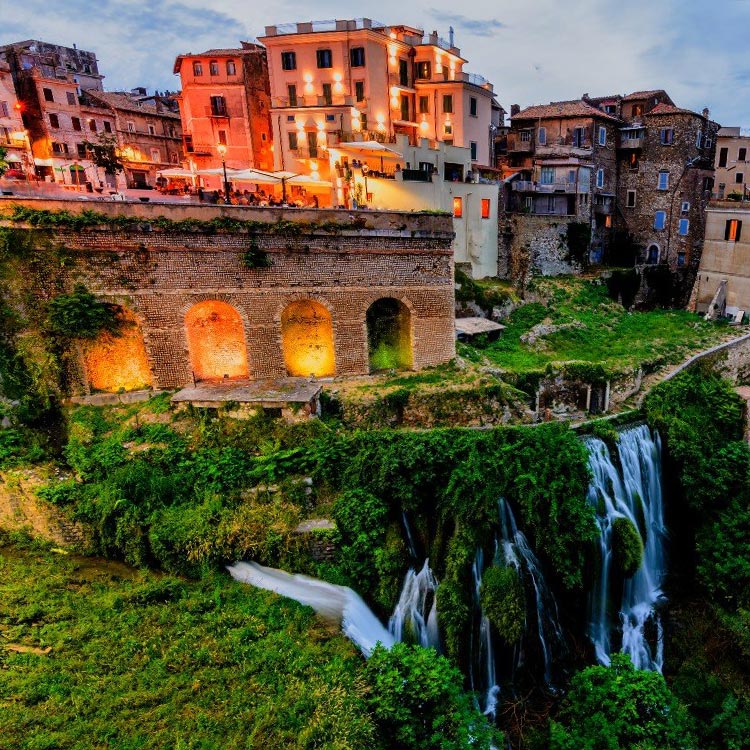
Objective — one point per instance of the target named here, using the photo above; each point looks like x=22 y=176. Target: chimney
x=450 y=37
x=706 y=112
x=514 y=109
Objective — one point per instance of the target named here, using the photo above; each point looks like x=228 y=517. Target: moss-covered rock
x=627 y=547
x=503 y=602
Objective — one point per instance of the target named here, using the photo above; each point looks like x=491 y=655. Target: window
x=666 y=136
x=197 y=68
x=156 y=155
x=291 y=90
x=663 y=180
x=92 y=125
x=290 y=118
x=473 y=106
x=448 y=128
x=634 y=161
x=288 y=61
x=357 y=57
x=630 y=202
x=424 y=69
x=458 y=208
x=231 y=68
x=610 y=109
x=742 y=155
x=424 y=105
x=681 y=258
x=547 y=176
x=359 y=91
x=448 y=103
x=188 y=141
x=174 y=158
x=54 y=121
x=542 y=136
x=213 y=68
x=403 y=73
x=59 y=148
x=636 y=110
x=579 y=137
x=131 y=126
x=723 y=154
x=685 y=207
x=699 y=139
x=327 y=94
x=733 y=230
x=602 y=135
x=81 y=149
x=600 y=178
x=684 y=227
x=363 y=120
x=71 y=97
x=571 y=176
x=222 y=134
x=48 y=95
x=312 y=145
x=76 y=123
x=739 y=178
x=293 y=144
x=525 y=136
x=404 y=107
x=485 y=208
x=660 y=219
x=329 y=118
x=107 y=126
x=4 y=111
x=325 y=58
x=473 y=148
x=550 y=204
x=218 y=106
x=151 y=129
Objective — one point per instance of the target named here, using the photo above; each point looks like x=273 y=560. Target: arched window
x=389 y=335
x=307 y=340
x=216 y=341
x=652 y=256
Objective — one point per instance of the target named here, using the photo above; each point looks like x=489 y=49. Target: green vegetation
x=598 y=331
x=81 y=315
x=627 y=547
x=503 y=602
x=620 y=708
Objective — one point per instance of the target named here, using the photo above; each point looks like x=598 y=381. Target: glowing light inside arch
x=307 y=339
x=216 y=341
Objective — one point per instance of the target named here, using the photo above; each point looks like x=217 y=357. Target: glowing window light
x=307 y=340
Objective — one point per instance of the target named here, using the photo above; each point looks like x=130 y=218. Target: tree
x=620 y=708
x=4 y=163
x=104 y=154
x=418 y=703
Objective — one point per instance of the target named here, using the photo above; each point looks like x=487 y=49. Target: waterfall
x=337 y=604
x=415 y=615
x=486 y=653
x=633 y=492
x=518 y=554
x=409 y=537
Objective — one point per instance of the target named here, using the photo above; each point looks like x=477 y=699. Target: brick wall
x=160 y=275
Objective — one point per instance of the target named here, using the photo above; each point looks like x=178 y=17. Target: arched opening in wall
x=216 y=341
x=652 y=254
x=118 y=362
x=307 y=340
x=389 y=335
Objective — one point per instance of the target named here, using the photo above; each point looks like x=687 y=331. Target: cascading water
x=633 y=493
x=486 y=654
x=518 y=554
x=335 y=603
x=415 y=615
x=409 y=537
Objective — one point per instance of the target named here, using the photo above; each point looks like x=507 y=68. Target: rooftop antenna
x=450 y=35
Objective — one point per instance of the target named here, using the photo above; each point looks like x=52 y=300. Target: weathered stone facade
x=161 y=275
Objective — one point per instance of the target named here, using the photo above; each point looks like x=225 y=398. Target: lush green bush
x=417 y=703
x=627 y=547
x=503 y=602
x=81 y=315
x=620 y=708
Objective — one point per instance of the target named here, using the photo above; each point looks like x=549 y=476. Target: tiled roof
x=126 y=102
x=669 y=109
x=574 y=108
x=644 y=94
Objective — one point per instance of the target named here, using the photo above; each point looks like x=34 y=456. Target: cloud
x=486 y=27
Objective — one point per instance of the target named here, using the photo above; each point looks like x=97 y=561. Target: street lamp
x=222 y=149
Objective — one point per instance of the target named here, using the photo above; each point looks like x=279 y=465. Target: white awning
x=43 y=162
x=13 y=157
x=369 y=147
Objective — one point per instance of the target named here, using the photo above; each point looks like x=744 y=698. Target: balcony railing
x=527 y=186
x=630 y=142
x=517 y=144
x=281 y=102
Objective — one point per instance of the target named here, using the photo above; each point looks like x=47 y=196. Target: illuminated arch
x=118 y=362
x=307 y=340
x=389 y=335
x=216 y=341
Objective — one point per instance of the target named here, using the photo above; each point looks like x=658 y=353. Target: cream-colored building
x=13 y=135
x=428 y=176
x=723 y=283
x=732 y=163
x=354 y=80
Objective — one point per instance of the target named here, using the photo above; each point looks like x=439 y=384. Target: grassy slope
x=608 y=334
x=145 y=661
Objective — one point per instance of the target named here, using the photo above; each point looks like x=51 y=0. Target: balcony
x=565 y=147
x=416 y=175
x=518 y=145
x=630 y=141
x=527 y=186
x=217 y=113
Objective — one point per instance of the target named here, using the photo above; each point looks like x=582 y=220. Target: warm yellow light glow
x=216 y=341
x=115 y=363
x=380 y=117
x=315 y=175
x=320 y=124
x=18 y=135
x=307 y=77
x=392 y=35
x=337 y=77
x=394 y=90
x=338 y=87
x=423 y=125
x=307 y=338
x=392 y=50
x=222 y=149
x=313 y=165
x=381 y=126
x=394 y=102
x=321 y=137
x=300 y=125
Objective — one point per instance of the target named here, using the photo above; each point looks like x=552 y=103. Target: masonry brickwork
x=160 y=275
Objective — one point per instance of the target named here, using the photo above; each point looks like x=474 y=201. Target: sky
x=533 y=51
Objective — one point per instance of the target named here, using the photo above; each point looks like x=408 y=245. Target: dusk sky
x=533 y=51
